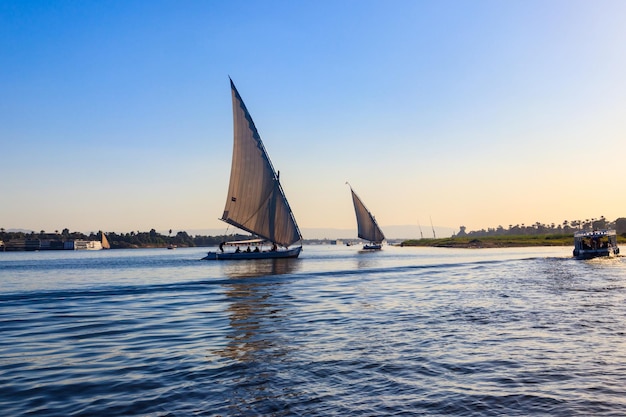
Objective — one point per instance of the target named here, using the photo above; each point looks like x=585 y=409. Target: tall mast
x=432 y=227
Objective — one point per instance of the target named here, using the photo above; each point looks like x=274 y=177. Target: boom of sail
x=368 y=229
x=256 y=201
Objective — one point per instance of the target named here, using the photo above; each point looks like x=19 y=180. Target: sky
x=117 y=115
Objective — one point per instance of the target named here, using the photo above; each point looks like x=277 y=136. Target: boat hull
x=372 y=246
x=595 y=253
x=234 y=256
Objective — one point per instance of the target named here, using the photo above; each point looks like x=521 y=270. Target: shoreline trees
x=133 y=239
x=567 y=227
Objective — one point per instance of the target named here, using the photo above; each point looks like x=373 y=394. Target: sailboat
x=105 y=242
x=256 y=201
x=368 y=229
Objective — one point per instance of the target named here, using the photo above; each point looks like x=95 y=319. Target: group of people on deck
x=595 y=244
x=248 y=250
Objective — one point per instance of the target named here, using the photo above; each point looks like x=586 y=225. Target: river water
x=337 y=332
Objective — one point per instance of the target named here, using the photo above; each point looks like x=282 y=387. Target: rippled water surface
x=404 y=331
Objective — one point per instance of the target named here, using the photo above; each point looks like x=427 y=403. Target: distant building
x=15 y=245
x=22 y=245
x=87 y=245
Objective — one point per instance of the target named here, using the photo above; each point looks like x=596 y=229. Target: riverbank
x=498 y=241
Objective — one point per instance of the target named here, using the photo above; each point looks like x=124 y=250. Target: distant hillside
x=19 y=231
x=391 y=232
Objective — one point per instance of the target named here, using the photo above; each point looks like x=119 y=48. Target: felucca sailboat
x=368 y=229
x=256 y=201
x=105 y=242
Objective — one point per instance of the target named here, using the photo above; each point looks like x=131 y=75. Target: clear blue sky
x=116 y=115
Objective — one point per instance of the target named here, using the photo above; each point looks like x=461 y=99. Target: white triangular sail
x=256 y=202
x=367 y=227
x=105 y=242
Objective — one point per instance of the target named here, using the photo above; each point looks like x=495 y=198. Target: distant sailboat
x=368 y=229
x=105 y=242
x=256 y=201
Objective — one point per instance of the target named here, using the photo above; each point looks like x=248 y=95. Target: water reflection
x=257 y=318
x=260 y=267
x=253 y=311
x=250 y=308
x=367 y=259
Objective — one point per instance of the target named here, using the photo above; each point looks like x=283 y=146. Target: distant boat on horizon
x=367 y=227
x=256 y=201
x=105 y=242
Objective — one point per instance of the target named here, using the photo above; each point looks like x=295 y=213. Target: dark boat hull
x=595 y=253
x=372 y=246
x=233 y=256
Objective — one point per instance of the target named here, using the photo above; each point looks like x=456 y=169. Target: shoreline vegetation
x=130 y=240
x=498 y=241
x=537 y=234
x=521 y=235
